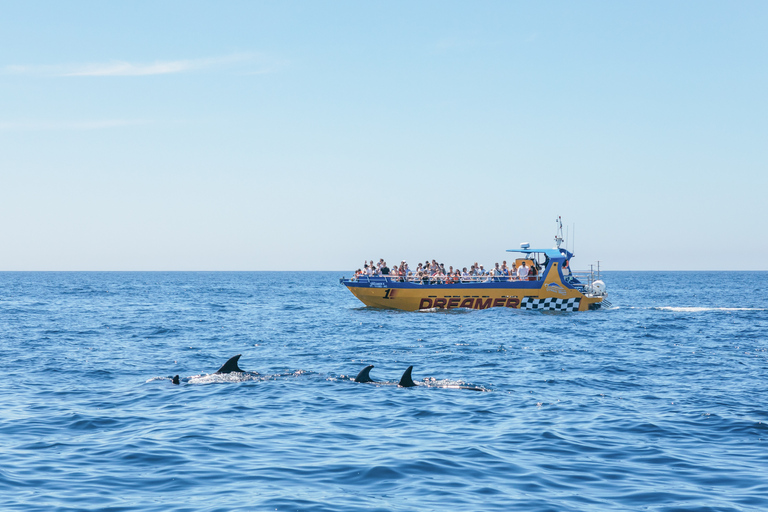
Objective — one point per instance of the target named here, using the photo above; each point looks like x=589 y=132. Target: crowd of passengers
x=436 y=273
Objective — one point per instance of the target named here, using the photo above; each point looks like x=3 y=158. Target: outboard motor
x=598 y=288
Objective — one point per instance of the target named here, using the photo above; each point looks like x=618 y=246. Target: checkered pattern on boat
x=551 y=304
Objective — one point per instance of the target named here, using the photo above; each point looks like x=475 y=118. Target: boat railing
x=442 y=279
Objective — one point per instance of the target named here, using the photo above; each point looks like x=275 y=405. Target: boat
x=553 y=287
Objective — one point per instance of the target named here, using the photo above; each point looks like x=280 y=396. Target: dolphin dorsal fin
x=406 y=381
x=230 y=366
x=364 y=376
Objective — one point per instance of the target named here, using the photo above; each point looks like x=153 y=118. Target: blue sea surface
x=659 y=403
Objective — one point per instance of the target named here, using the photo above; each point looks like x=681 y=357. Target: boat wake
x=692 y=309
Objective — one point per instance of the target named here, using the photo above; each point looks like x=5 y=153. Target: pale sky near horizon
x=180 y=135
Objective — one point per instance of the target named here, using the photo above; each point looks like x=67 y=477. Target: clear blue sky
x=251 y=135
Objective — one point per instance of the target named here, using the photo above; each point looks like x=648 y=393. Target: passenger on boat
x=522 y=271
x=384 y=269
x=497 y=273
x=533 y=274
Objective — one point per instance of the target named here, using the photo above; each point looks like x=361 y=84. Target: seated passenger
x=533 y=275
x=522 y=272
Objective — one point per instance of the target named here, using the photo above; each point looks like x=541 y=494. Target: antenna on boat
x=559 y=234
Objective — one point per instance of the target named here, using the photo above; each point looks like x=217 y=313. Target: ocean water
x=659 y=403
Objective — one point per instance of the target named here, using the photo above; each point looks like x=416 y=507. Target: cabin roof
x=551 y=253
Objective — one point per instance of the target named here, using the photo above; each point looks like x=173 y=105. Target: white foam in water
x=699 y=309
x=219 y=378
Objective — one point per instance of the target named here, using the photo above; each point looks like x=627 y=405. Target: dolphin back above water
x=230 y=366
x=406 y=381
x=364 y=375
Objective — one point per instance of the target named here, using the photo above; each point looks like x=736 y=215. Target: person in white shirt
x=522 y=272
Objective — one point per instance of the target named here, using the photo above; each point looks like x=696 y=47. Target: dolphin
x=406 y=381
x=364 y=375
x=230 y=366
